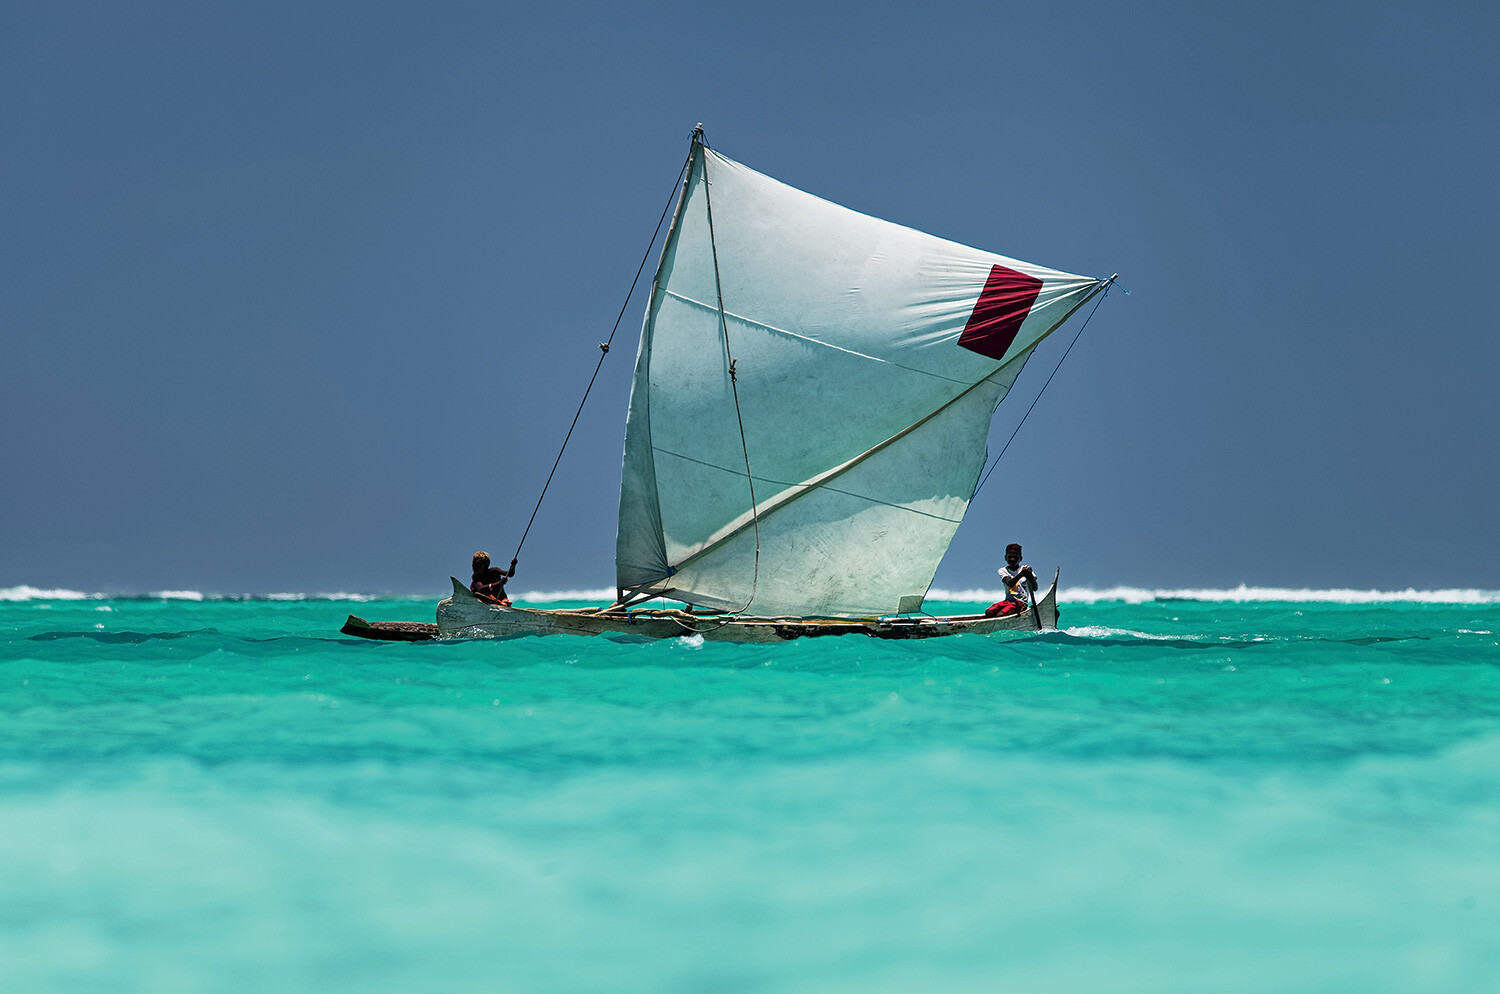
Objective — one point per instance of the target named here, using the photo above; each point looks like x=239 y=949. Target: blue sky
x=303 y=296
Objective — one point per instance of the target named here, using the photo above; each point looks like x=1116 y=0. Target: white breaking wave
x=28 y=593
x=1100 y=631
x=1133 y=595
x=341 y=596
x=1067 y=595
x=605 y=595
x=24 y=593
x=1243 y=594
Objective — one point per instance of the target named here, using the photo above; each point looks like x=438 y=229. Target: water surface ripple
x=1170 y=795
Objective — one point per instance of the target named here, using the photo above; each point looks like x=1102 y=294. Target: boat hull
x=466 y=616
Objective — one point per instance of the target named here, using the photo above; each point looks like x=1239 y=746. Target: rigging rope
x=734 y=389
x=1107 y=284
x=603 y=351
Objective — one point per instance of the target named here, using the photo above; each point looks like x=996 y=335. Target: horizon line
x=1242 y=593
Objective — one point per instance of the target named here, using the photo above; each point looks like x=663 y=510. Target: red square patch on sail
x=1004 y=304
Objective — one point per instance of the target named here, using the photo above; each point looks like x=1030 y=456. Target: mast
x=641 y=416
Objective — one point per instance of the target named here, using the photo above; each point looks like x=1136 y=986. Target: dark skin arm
x=493 y=574
x=1014 y=558
x=1026 y=575
x=494 y=577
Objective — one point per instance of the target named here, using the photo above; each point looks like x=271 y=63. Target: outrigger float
x=807 y=425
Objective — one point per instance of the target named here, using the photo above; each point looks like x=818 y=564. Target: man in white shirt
x=1020 y=585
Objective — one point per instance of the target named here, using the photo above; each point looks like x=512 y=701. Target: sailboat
x=807 y=424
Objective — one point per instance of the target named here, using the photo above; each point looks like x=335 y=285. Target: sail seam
x=810 y=340
x=804 y=486
x=773 y=505
x=1059 y=298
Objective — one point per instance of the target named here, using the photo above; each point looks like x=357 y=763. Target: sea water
x=1233 y=792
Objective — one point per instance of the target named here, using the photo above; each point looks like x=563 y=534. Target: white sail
x=868 y=359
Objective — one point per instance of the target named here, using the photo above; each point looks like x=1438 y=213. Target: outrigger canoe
x=466 y=616
x=807 y=425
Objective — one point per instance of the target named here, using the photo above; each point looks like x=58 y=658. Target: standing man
x=1020 y=585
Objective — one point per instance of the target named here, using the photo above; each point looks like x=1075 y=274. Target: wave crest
x=29 y=593
x=25 y=593
x=1067 y=595
x=1245 y=594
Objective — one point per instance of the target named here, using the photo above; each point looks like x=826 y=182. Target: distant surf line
x=1070 y=595
x=25 y=593
x=1247 y=594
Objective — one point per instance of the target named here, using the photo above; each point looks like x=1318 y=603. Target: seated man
x=489 y=581
x=1020 y=585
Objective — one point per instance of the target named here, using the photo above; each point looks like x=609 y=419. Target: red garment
x=492 y=584
x=481 y=591
x=1001 y=608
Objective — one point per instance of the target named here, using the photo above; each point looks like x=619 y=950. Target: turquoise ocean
x=1226 y=791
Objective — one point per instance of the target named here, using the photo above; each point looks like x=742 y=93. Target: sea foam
x=1067 y=595
x=227 y=796
x=1246 y=594
x=605 y=595
x=25 y=593
x=29 y=593
x=1135 y=595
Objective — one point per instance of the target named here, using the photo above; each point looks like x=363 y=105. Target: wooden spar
x=390 y=631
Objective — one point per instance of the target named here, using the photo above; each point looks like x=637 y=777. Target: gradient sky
x=302 y=296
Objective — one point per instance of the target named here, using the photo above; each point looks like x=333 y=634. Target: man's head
x=481 y=562
x=1012 y=554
